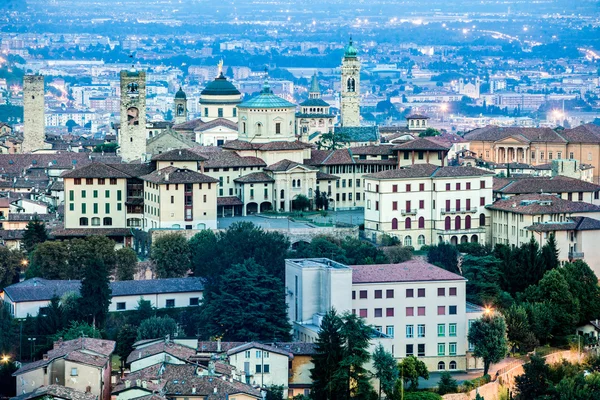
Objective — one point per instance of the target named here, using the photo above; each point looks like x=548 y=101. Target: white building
x=419 y=309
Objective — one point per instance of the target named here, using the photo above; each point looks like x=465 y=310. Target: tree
x=534 y=382
x=583 y=286
x=318 y=200
x=398 y=254
x=359 y=252
x=171 y=253
x=328 y=356
x=49 y=261
x=205 y=254
x=126 y=260
x=386 y=371
x=35 y=233
x=125 y=339
x=156 y=327
x=483 y=278
x=356 y=354
x=301 y=202
x=246 y=304
x=550 y=253
x=447 y=384
x=95 y=292
x=518 y=330
x=10 y=265
x=106 y=148
x=144 y=310
x=444 y=255
x=411 y=369
x=429 y=132
x=333 y=140
x=274 y=392
x=488 y=336
x=82 y=252
x=77 y=329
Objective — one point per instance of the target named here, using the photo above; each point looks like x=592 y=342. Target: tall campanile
x=34 y=122
x=132 y=133
x=350 y=88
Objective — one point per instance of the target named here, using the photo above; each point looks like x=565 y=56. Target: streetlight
x=5 y=358
x=31 y=347
x=444 y=108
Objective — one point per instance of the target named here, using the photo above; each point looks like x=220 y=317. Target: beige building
x=82 y=364
x=425 y=204
x=561 y=186
x=177 y=198
x=418 y=308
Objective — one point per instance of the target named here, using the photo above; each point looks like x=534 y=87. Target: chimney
x=127 y=384
x=58 y=343
x=45 y=357
x=219 y=344
x=215 y=390
x=167 y=176
x=193 y=390
x=88 y=389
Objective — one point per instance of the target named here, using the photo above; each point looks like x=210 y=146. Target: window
x=95 y=208
x=83 y=194
x=407 y=223
x=220 y=112
x=170 y=303
x=95 y=194
x=394 y=205
x=258 y=368
x=101 y=181
x=421 y=204
x=113 y=181
x=452 y=364
x=363 y=313
x=421 y=311
x=409 y=350
x=389 y=312
x=394 y=188
x=83 y=221
x=247 y=354
x=378 y=313
x=410 y=292
x=468 y=185
x=95 y=221
x=441 y=349
x=408 y=188
x=421 y=350
x=389 y=294
x=421 y=330
x=421 y=292
x=378 y=294
x=421 y=240
x=421 y=187
x=447 y=187
x=441 y=310
x=481 y=184
x=452 y=330
x=441 y=330
x=89 y=181
x=394 y=223
x=452 y=348
x=410 y=331
x=389 y=330
x=78 y=181
x=194 y=301
x=278 y=127
x=457 y=185
x=452 y=291
x=353 y=294
x=452 y=310
x=441 y=292
x=441 y=364
x=71 y=206
x=363 y=294
x=410 y=311
x=74 y=372
x=377 y=206
x=407 y=241
x=120 y=306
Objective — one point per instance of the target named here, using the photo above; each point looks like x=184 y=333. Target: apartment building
x=425 y=204
x=177 y=198
x=418 y=308
x=566 y=188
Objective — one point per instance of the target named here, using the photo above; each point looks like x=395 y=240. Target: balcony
x=412 y=211
x=463 y=210
x=574 y=255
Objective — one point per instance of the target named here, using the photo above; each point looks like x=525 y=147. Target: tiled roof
x=254 y=177
x=573 y=224
x=179 y=155
x=172 y=175
x=230 y=159
x=39 y=289
x=422 y=144
x=210 y=388
x=533 y=204
x=588 y=133
x=29 y=217
x=134 y=170
x=212 y=346
x=229 y=201
x=495 y=133
x=297 y=348
x=188 y=125
x=217 y=122
x=14 y=234
x=82 y=232
x=359 y=133
x=262 y=346
x=286 y=165
x=457 y=171
x=373 y=150
x=174 y=349
x=272 y=146
x=413 y=171
x=238 y=145
x=266 y=99
x=322 y=176
x=14 y=164
x=410 y=271
x=95 y=170
x=57 y=392
x=556 y=184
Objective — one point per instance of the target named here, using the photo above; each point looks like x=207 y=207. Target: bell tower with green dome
x=350 y=88
x=180 y=107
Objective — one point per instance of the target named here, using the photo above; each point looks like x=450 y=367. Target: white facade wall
x=259 y=125
x=254 y=360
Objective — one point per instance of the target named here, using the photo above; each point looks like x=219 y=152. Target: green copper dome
x=220 y=87
x=351 y=51
x=314 y=84
x=266 y=99
x=180 y=94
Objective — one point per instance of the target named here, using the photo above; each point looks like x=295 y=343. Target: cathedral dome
x=220 y=87
x=351 y=51
x=180 y=94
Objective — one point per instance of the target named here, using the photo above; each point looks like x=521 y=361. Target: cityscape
x=258 y=200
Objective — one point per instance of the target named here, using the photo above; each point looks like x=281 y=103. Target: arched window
x=258 y=129
x=95 y=221
x=457 y=222
x=452 y=364
x=421 y=240
x=281 y=194
x=441 y=366
x=421 y=222
x=447 y=223
x=293 y=183
x=481 y=219
x=407 y=241
x=468 y=222
x=298 y=183
x=407 y=223
x=351 y=85
x=83 y=221
x=180 y=109
x=394 y=223
x=107 y=221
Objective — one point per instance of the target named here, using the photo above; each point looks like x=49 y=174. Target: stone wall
x=34 y=123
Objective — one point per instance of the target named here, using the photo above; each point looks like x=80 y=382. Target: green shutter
x=107 y=194
x=83 y=208
x=95 y=194
x=118 y=206
x=95 y=208
x=83 y=194
x=107 y=206
x=71 y=195
x=118 y=195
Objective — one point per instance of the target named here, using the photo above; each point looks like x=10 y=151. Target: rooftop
x=174 y=175
x=220 y=87
x=533 y=204
x=415 y=270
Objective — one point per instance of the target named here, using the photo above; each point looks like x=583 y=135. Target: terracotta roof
x=297 y=348
x=230 y=159
x=29 y=217
x=238 y=145
x=429 y=170
x=209 y=388
x=212 y=346
x=556 y=184
x=254 y=177
x=229 y=201
x=14 y=164
x=95 y=170
x=373 y=150
x=322 y=176
x=217 y=122
x=57 y=392
x=495 y=133
x=179 y=155
x=286 y=165
x=174 y=349
x=188 y=125
x=588 y=133
x=410 y=271
x=573 y=224
x=533 y=204
x=172 y=175
x=422 y=144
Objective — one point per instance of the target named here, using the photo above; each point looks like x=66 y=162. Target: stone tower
x=132 y=134
x=180 y=107
x=33 y=113
x=350 y=89
x=315 y=89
